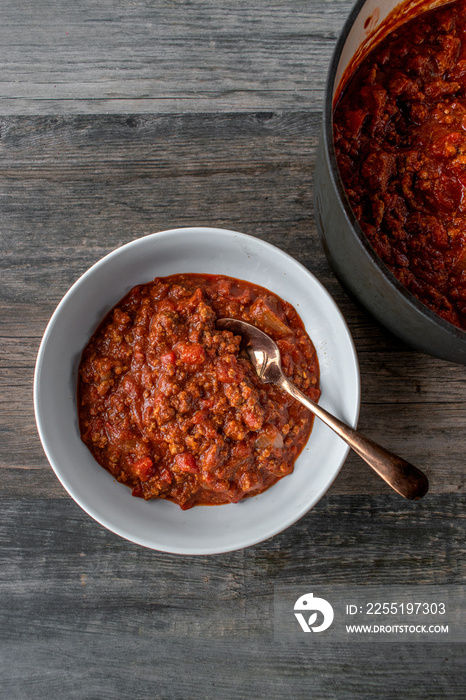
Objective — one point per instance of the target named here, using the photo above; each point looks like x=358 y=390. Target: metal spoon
x=264 y=355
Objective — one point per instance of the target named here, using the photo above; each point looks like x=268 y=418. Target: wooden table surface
x=124 y=117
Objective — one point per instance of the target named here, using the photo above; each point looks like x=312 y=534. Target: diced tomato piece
x=168 y=358
x=186 y=462
x=229 y=372
x=143 y=468
x=191 y=353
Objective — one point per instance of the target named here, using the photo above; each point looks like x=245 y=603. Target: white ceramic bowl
x=160 y=524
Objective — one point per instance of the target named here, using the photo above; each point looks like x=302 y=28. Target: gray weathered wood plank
x=86 y=614
x=133 y=56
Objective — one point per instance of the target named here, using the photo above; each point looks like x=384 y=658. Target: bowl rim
x=101 y=518
x=334 y=173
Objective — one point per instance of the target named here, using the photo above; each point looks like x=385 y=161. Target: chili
x=170 y=406
x=400 y=141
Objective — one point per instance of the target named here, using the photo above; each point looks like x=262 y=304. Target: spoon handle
x=402 y=476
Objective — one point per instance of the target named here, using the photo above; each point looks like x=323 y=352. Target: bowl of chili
x=154 y=301
x=390 y=180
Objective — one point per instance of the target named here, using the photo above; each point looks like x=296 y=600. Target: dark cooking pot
x=348 y=251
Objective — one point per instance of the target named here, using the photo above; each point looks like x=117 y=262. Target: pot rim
x=410 y=299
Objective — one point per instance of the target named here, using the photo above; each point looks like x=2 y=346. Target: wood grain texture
x=88 y=615
x=76 y=187
x=134 y=56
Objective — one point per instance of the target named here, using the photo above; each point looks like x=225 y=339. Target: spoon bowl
x=264 y=355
